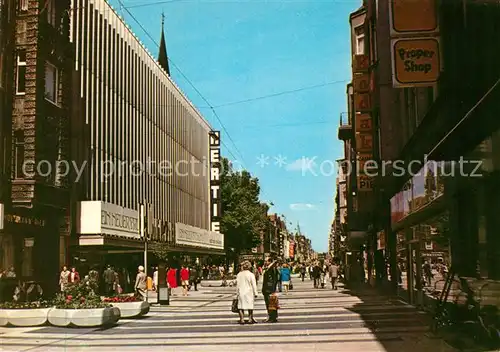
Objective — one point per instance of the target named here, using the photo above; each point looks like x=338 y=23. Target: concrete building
x=143 y=142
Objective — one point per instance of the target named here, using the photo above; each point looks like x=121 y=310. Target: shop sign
x=363 y=122
x=215 y=169
x=362 y=102
x=364 y=142
x=363 y=158
x=416 y=62
x=365 y=183
x=26 y=220
x=195 y=237
x=413 y=17
x=95 y=217
x=361 y=83
x=360 y=63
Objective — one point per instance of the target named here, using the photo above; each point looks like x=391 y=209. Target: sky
x=227 y=52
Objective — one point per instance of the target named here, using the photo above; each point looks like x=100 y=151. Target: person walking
x=64 y=278
x=74 y=277
x=246 y=291
x=334 y=274
x=303 y=271
x=286 y=276
x=270 y=280
x=185 y=280
x=140 y=283
x=194 y=278
x=109 y=281
x=171 y=280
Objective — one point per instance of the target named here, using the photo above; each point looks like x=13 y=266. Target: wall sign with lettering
x=416 y=62
x=215 y=169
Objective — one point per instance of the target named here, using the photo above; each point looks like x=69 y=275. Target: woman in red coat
x=171 y=279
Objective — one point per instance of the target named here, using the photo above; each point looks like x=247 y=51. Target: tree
x=244 y=216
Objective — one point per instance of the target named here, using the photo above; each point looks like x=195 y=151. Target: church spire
x=162 y=54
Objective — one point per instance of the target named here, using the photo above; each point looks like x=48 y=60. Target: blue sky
x=238 y=50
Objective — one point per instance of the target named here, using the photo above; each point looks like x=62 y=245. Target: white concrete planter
x=132 y=309
x=84 y=317
x=24 y=317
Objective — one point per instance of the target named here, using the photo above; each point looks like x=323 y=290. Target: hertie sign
x=215 y=168
x=415 y=62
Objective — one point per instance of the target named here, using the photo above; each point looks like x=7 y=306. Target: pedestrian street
x=309 y=319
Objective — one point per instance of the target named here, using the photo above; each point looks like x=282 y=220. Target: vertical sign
x=215 y=168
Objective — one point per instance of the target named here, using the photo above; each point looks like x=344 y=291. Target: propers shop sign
x=416 y=62
x=95 y=217
x=215 y=169
x=195 y=237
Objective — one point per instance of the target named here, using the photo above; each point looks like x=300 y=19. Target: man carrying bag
x=269 y=283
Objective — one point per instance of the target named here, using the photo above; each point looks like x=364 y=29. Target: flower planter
x=84 y=317
x=132 y=309
x=24 y=317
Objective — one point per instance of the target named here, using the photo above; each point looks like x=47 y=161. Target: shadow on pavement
x=388 y=316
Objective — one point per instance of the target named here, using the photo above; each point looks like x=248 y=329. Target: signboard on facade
x=364 y=142
x=195 y=237
x=363 y=122
x=416 y=62
x=413 y=16
x=360 y=63
x=365 y=183
x=215 y=169
x=362 y=102
x=95 y=217
x=361 y=83
x=362 y=165
x=2 y=212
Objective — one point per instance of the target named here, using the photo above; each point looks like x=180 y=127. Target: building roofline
x=357 y=13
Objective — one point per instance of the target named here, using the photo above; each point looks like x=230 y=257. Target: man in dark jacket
x=269 y=283
x=194 y=278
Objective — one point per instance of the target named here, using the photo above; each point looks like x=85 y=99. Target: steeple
x=162 y=54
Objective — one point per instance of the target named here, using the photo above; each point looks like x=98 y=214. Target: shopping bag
x=290 y=287
x=234 y=306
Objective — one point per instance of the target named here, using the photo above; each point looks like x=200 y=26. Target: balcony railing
x=345 y=128
x=344 y=119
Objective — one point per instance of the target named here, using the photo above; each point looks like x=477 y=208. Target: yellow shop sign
x=415 y=62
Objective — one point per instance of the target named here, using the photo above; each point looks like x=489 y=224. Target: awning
x=476 y=125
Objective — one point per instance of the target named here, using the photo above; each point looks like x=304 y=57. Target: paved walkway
x=310 y=319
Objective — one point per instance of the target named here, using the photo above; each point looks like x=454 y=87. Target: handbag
x=291 y=285
x=234 y=306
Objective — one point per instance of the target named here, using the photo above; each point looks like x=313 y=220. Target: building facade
x=430 y=129
x=36 y=109
x=143 y=142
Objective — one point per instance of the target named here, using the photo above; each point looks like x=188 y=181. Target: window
x=23 y=5
x=51 y=82
x=51 y=12
x=18 y=154
x=360 y=40
x=21 y=72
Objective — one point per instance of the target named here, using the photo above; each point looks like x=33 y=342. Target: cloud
x=301 y=206
x=301 y=164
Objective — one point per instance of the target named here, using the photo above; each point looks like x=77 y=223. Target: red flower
x=82 y=299
x=69 y=297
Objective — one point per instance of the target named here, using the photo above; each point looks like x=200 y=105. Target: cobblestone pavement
x=310 y=319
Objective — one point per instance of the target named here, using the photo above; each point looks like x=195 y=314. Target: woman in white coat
x=246 y=287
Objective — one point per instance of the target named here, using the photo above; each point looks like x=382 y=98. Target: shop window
x=27 y=266
x=21 y=72
x=19 y=154
x=51 y=82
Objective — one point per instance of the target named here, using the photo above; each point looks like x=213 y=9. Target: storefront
x=420 y=223
x=31 y=245
x=109 y=235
